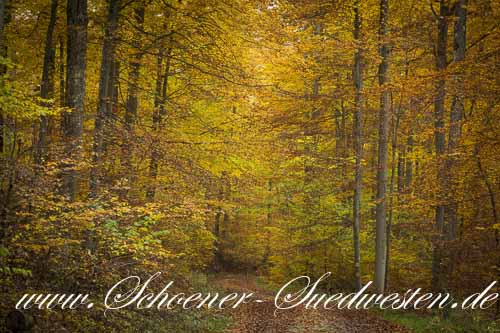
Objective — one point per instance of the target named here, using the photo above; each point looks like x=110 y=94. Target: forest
x=236 y=142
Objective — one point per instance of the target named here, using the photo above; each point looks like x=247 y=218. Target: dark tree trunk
x=62 y=82
x=104 y=116
x=439 y=140
x=380 y=213
x=3 y=22
x=3 y=69
x=2 y=125
x=311 y=200
x=112 y=107
x=358 y=146
x=394 y=157
x=340 y=141
x=4 y=17
x=47 y=86
x=456 y=114
x=454 y=136
x=219 y=216
x=269 y=221
x=75 y=93
x=112 y=104
x=491 y=192
x=401 y=157
x=131 y=105
x=409 y=162
x=153 y=163
x=158 y=117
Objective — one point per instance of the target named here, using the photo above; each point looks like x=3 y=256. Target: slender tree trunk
x=132 y=102
x=112 y=107
x=312 y=195
x=493 y=202
x=491 y=192
x=4 y=209
x=454 y=136
x=439 y=141
x=401 y=162
x=269 y=220
x=394 y=146
x=3 y=69
x=3 y=22
x=2 y=125
x=103 y=116
x=62 y=82
x=219 y=215
x=75 y=93
x=226 y=190
x=409 y=162
x=344 y=138
x=153 y=164
x=338 y=144
x=47 y=86
x=340 y=141
x=358 y=146
x=380 y=214
x=456 y=114
x=159 y=115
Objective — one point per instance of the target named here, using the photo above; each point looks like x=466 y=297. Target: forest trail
x=260 y=318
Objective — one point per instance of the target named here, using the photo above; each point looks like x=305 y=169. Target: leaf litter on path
x=261 y=317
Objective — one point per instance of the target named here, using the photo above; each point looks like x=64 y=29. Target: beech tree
x=47 y=85
x=358 y=144
x=383 y=134
x=72 y=125
x=107 y=81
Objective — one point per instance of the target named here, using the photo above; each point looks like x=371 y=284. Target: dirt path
x=261 y=318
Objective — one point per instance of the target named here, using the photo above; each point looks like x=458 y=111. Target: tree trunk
x=131 y=105
x=153 y=164
x=454 y=136
x=358 y=146
x=380 y=213
x=269 y=220
x=340 y=142
x=219 y=216
x=409 y=162
x=3 y=148
x=311 y=200
x=159 y=115
x=491 y=192
x=394 y=146
x=439 y=140
x=62 y=82
x=111 y=106
x=400 y=168
x=3 y=68
x=77 y=21
x=47 y=85
x=3 y=22
x=103 y=116
x=456 y=114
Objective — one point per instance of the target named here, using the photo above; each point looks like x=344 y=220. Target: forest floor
x=260 y=317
